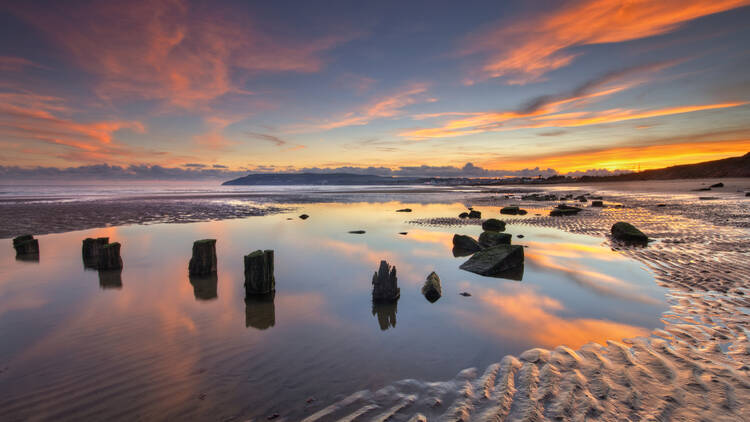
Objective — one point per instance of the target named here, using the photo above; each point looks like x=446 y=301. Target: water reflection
x=386 y=314
x=28 y=257
x=110 y=279
x=204 y=286
x=260 y=311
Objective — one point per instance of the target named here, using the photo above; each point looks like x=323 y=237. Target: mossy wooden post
x=109 y=257
x=90 y=250
x=259 y=279
x=26 y=245
x=203 y=261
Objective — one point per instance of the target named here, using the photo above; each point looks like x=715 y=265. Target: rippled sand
x=696 y=368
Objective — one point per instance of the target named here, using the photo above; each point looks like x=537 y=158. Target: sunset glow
x=233 y=87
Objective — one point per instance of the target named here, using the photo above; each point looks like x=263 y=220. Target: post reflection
x=260 y=311
x=110 y=279
x=34 y=257
x=204 y=286
x=386 y=314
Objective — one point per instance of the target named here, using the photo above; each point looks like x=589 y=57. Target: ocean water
x=150 y=343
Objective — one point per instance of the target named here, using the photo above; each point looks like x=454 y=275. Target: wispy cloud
x=524 y=50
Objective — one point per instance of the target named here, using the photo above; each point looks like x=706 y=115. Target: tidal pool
x=154 y=344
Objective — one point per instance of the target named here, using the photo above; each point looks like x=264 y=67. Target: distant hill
x=728 y=167
x=336 y=179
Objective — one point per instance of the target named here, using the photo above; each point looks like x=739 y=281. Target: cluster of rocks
x=472 y=213
x=492 y=254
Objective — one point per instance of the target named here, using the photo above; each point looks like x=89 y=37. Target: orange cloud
x=526 y=50
x=168 y=50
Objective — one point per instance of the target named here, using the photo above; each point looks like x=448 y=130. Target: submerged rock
x=386 y=314
x=494 y=260
x=628 y=233
x=90 y=250
x=385 y=284
x=489 y=239
x=260 y=311
x=204 y=286
x=357 y=232
x=539 y=197
x=259 y=278
x=404 y=210
x=463 y=215
x=597 y=204
x=431 y=288
x=510 y=210
x=403 y=233
x=475 y=214
x=717 y=185
x=109 y=257
x=204 y=257
x=564 y=210
x=493 y=224
x=465 y=294
x=465 y=243
x=26 y=246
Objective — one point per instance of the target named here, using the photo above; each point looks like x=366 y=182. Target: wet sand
x=696 y=368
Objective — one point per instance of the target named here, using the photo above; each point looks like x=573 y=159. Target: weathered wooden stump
x=109 y=257
x=385 y=284
x=203 y=261
x=259 y=279
x=90 y=250
x=26 y=245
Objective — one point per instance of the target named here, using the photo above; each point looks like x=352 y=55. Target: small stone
x=520 y=236
x=304 y=216
x=465 y=294
x=597 y=204
x=717 y=185
x=661 y=205
x=403 y=233
x=431 y=288
x=404 y=210
x=463 y=215
x=259 y=278
x=475 y=214
x=493 y=224
x=385 y=284
x=357 y=232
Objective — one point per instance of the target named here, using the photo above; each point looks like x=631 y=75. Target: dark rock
x=475 y=214
x=489 y=239
x=707 y=198
x=494 y=260
x=564 y=210
x=599 y=204
x=26 y=246
x=109 y=257
x=110 y=279
x=465 y=294
x=385 y=284
x=385 y=313
x=204 y=257
x=463 y=215
x=465 y=243
x=259 y=278
x=493 y=224
x=403 y=233
x=404 y=210
x=661 y=205
x=357 y=232
x=522 y=212
x=90 y=250
x=204 y=286
x=431 y=288
x=520 y=236
x=747 y=193
x=511 y=210
x=717 y=185
x=260 y=311
x=304 y=216
x=539 y=197
x=627 y=232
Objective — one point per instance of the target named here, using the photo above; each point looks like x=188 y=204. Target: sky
x=488 y=88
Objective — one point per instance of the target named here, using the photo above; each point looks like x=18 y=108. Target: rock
x=260 y=311
x=661 y=205
x=539 y=197
x=701 y=189
x=26 y=246
x=404 y=210
x=385 y=313
x=204 y=286
x=463 y=215
x=628 y=233
x=475 y=214
x=385 y=284
x=259 y=278
x=581 y=198
x=465 y=294
x=597 y=204
x=110 y=279
x=493 y=224
x=511 y=210
x=90 y=250
x=109 y=257
x=520 y=236
x=431 y=288
x=494 y=260
x=747 y=193
x=403 y=233
x=522 y=212
x=304 y=216
x=357 y=232
x=489 y=239
x=717 y=185
x=204 y=257
x=465 y=243
x=563 y=210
